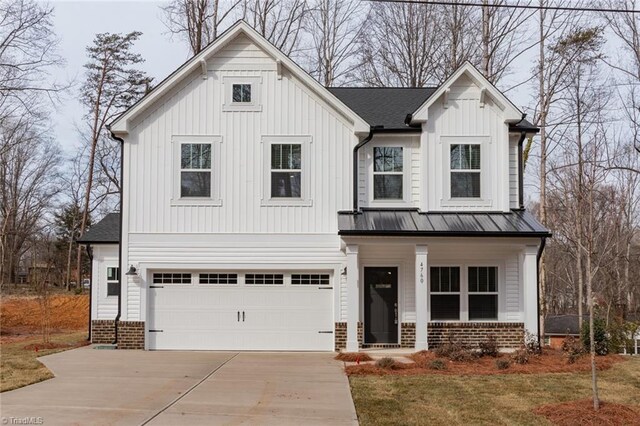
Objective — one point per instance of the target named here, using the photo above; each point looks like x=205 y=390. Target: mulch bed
x=582 y=413
x=353 y=357
x=550 y=361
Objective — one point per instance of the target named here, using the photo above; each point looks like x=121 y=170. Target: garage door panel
x=205 y=317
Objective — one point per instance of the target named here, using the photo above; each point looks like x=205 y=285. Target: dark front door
x=381 y=305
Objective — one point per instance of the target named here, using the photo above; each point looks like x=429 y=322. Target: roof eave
x=382 y=233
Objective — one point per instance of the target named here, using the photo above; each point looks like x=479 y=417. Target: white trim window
x=195 y=170
x=388 y=173
x=113 y=281
x=242 y=93
x=465 y=170
x=445 y=293
x=483 y=293
x=286 y=170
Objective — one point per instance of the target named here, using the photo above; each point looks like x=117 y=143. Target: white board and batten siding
x=463 y=120
x=103 y=307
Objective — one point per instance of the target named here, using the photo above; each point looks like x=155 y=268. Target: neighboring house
x=262 y=211
x=558 y=327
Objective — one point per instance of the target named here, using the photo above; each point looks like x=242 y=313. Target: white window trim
x=256 y=89
x=107 y=281
x=406 y=173
x=216 y=175
x=445 y=293
x=305 y=199
x=485 y=185
x=464 y=290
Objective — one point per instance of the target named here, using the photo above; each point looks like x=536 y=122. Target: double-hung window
x=445 y=293
x=483 y=292
x=286 y=170
x=113 y=281
x=388 y=173
x=195 y=170
x=465 y=171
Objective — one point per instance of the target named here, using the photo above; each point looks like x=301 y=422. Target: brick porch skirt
x=508 y=334
x=130 y=333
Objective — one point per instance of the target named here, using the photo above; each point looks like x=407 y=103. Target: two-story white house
x=263 y=211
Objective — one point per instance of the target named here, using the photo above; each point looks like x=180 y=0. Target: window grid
x=171 y=278
x=217 y=278
x=286 y=170
x=195 y=170
x=388 y=173
x=113 y=281
x=310 y=279
x=465 y=170
x=483 y=292
x=445 y=293
x=264 y=279
x=241 y=93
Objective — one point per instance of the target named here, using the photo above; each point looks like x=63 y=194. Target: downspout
x=523 y=136
x=355 y=165
x=115 y=331
x=543 y=242
x=90 y=256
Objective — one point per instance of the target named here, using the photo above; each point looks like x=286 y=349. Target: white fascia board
x=511 y=113
x=120 y=125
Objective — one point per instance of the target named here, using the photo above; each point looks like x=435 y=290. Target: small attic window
x=241 y=93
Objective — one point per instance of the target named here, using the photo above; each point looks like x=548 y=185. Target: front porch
x=419 y=292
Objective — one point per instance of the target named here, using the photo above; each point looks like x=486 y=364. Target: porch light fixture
x=132 y=272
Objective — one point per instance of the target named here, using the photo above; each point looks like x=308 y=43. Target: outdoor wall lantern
x=132 y=272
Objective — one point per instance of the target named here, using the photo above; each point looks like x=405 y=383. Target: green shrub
x=489 y=347
x=502 y=364
x=385 y=362
x=600 y=336
x=437 y=364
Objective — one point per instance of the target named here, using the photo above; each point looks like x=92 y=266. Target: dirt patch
x=353 y=357
x=550 y=361
x=582 y=413
x=22 y=317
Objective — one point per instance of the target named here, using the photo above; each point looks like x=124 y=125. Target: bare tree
x=112 y=84
x=29 y=181
x=279 y=21
x=28 y=51
x=197 y=21
x=459 y=37
x=335 y=27
x=398 y=45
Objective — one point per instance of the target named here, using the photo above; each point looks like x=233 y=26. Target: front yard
x=507 y=399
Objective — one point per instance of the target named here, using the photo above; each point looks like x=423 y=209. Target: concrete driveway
x=172 y=388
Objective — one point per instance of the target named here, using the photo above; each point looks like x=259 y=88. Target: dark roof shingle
x=107 y=231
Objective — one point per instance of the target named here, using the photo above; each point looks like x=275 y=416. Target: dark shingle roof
x=383 y=106
x=107 y=231
x=414 y=223
x=562 y=325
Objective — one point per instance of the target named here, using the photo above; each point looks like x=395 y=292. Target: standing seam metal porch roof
x=517 y=223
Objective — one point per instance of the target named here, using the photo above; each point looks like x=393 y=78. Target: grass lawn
x=497 y=399
x=19 y=366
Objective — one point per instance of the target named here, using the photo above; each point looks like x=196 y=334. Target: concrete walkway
x=105 y=387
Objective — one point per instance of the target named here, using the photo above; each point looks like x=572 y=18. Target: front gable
x=240 y=48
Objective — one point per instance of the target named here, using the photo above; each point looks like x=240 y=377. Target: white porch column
x=421 y=297
x=530 y=289
x=353 y=301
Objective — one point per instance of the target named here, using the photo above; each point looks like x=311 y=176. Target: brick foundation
x=102 y=331
x=508 y=334
x=340 y=335
x=130 y=333
x=407 y=335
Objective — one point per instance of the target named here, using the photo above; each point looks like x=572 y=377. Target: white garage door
x=241 y=311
